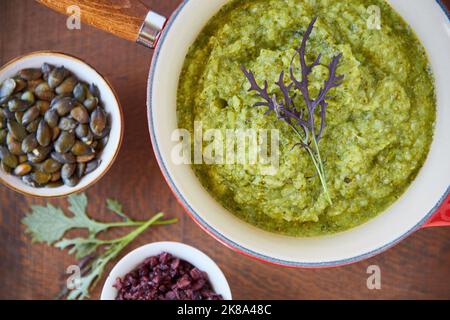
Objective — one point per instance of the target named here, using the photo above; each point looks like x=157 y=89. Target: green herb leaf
x=116 y=207
x=48 y=224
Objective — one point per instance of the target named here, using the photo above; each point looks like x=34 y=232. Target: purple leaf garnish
x=301 y=120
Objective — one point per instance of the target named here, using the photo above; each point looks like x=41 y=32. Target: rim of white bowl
x=96 y=175
x=180 y=250
x=222 y=238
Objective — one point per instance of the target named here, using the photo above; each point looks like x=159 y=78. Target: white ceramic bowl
x=408 y=214
x=180 y=250
x=108 y=98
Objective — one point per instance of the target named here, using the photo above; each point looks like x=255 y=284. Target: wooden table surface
x=416 y=268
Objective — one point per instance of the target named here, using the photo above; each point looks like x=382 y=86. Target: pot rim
x=222 y=238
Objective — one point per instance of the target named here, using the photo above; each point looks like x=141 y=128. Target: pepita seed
x=56 y=76
x=7 y=88
x=98 y=121
x=33 y=126
x=28 y=96
x=44 y=92
x=42 y=106
x=16 y=130
x=67 y=86
x=85 y=158
x=82 y=130
x=51 y=166
x=67 y=124
x=29 y=143
x=81 y=169
x=63 y=105
x=79 y=92
x=40 y=177
x=52 y=118
x=80 y=149
x=80 y=114
x=91 y=166
x=65 y=142
x=30 y=115
x=63 y=158
x=15 y=105
x=22 y=169
x=91 y=103
x=30 y=74
x=68 y=170
x=8 y=158
x=44 y=134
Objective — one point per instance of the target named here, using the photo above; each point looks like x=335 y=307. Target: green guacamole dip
x=380 y=121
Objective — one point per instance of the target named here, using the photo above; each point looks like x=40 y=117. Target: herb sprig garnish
x=301 y=120
x=48 y=224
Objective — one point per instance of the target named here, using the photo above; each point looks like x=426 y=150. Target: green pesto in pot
x=380 y=121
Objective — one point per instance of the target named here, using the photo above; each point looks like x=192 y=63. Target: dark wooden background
x=417 y=268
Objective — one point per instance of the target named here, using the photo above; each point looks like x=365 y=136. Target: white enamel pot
x=425 y=203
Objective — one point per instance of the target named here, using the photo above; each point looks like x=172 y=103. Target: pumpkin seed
x=23 y=158
x=39 y=154
x=28 y=180
x=44 y=92
x=29 y=143
x=7 y=88
x=22 y=169
x=80 y=114
x=40 y=177
x=71 y=181
x=44 y=134
x=33 y=84
x=81 y=169
x=8 y=158
x=79 y=92
x=98 y=121
x=56 y=176
x=33 y=126
x=30 y=74
x=46 y=69
x=63 y=158
x=63 y=105
x=91 y=103
x=93 y=89
x=16 y=130
x=52 y=118
x=51 y=166
x=15 y=105
x=6 y=168
x=91 y=166
x=68 y=170
x=28 y=96
x=85 y=158
x=20 y=85
x=81 y=149
x=82 y=130
x=67 y=124
x=65 y=142
x=56 y=132
x=67 y=86
x=15 y=147
x=3 y=134
x=30 y=115
x=43 y=106
x=57 y=76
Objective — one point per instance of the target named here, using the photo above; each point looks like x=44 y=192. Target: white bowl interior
x=86 y=73
x=180 y=250
x=407 y=214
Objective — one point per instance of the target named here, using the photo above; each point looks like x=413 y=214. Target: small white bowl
x=109 y=99
x=179 y=250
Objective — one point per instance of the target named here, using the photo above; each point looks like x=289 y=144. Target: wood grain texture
x=122 y=18
x=417 y=268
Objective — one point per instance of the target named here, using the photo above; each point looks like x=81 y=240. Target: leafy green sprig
x=48 y=224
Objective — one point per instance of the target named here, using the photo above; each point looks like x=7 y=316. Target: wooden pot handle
x=128 y=19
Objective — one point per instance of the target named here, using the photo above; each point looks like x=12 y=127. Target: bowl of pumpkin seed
x=61 y=124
